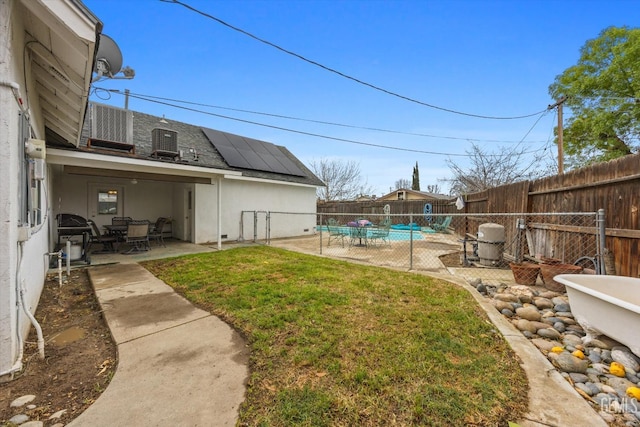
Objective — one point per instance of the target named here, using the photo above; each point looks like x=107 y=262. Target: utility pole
x=558 y=104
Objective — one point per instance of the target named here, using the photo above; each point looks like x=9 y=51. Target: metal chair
x=138 y=236
x=381 y=233
x=108 y=242
x=156 y=231
x=335 y=232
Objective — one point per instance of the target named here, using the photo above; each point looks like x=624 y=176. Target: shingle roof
x=196 y=148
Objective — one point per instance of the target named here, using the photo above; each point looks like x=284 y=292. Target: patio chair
x=381 y=233
x=442 y=227
x=335 y=232
x=156 y=231
x=108 y=242
x=138 y=236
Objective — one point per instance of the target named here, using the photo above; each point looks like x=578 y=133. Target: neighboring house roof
x=417 y=195
x=194 y=146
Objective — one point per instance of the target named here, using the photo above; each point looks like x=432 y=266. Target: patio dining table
x=358 y=230
x=119 y=230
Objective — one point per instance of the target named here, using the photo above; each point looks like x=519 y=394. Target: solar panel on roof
x=249 y=153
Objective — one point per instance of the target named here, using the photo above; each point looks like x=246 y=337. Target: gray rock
x=521 y=290
x=526 y=299
x=569 y=363
x=550 y=319
x=597 y=342
x=599 y=368
x=584 y=388
x=525 y=325
x=559 y=326
x=545 y=345
x=564 y=314
x=578 y=378
x=576 y=328
x=620 y=385
x=506 y=297
x=503 y=305
x=549 y=333
x=559 y=300
x=529 y=312
x=562 y=308
x=528 y=334
x=32 y=424
x=594 y=357
x=571 y=340
x=540 y=325
x=606 y=356
x=626 y=358
x=548 y=294
x=603 y=400
x=567 y=320
x=594 y=387
x=22 y=400
x=475 y=282
x=19 y=419
x=508 y=313
x=543 y=303
x=590 y=390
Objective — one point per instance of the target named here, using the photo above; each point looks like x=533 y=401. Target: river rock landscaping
x=601 y=370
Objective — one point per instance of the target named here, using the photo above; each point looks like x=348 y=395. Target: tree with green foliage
x=415 y=183
x=603 y=96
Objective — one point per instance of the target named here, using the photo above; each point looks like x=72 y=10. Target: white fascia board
x=68 y=13
x=57 y=156
x=268 y=181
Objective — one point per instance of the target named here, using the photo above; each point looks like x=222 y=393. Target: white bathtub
x=607 y=305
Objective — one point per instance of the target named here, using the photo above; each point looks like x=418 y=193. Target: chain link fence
x=489 y=247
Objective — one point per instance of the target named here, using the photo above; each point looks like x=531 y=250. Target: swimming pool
x=394 y=235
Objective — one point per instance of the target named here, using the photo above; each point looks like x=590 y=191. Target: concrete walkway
x=177 y=364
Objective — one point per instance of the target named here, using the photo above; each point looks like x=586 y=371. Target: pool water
x=394 y=235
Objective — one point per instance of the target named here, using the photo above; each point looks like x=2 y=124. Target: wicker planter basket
x=549 y=271
x=525 y=273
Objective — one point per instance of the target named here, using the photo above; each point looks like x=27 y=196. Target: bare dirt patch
x=80 y=356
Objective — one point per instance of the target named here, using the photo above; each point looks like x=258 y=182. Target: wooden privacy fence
x=613 y=186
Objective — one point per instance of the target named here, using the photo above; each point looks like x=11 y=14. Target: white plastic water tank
x=490 y=243
x=75 y=251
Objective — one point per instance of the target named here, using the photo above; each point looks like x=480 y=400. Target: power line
x=346 y=76
x=280 y=116
x=350 y=141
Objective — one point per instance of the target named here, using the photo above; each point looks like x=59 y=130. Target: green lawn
x=341 y=344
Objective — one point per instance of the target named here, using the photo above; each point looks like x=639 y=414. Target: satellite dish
x=108 y=58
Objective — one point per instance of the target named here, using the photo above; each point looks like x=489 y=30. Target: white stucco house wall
x=46 y=60
x=64 y=155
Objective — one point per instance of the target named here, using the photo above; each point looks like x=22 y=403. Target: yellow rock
x=578 y=354
x=557 y=349
x=616 y=369
x=633 y=392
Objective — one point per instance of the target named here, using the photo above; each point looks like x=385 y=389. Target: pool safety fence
x=489 y=247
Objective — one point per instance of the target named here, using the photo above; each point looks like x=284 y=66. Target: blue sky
x=490 y=58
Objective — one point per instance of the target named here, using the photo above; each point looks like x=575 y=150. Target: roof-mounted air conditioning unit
x=164 y=143
x=111 y=128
